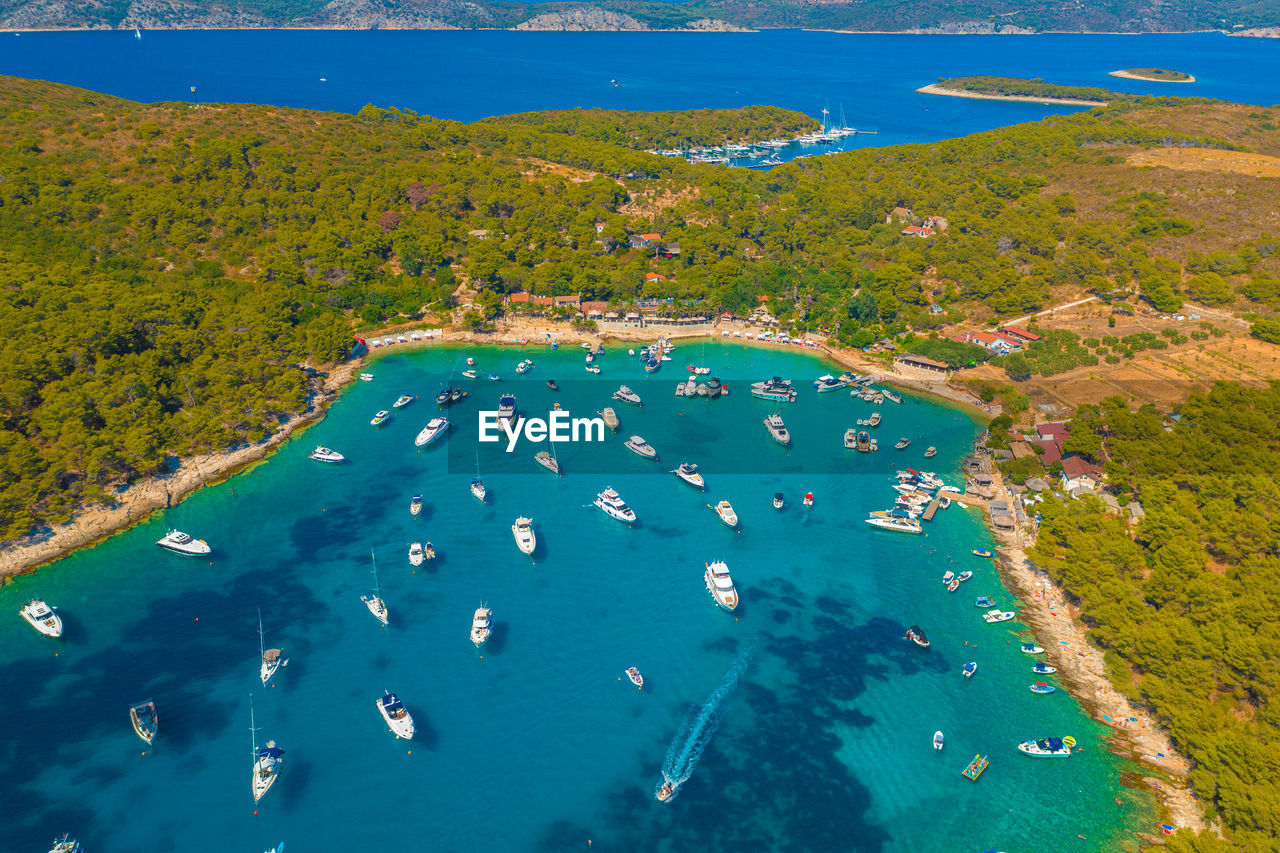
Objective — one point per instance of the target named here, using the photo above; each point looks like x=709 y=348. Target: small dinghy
x=1040 y=668
x=930 y=453
x=970 y=668
x=964 y=576
x=145 y=720
x=808 y=499
x=991 y=617
x=980 y=552
x=948 y=577
x=915 y=635
x=937 y=740
x=551 y=384
x=902 y=444
x=636 y=678
x=1031 y=649
x=1042 y=687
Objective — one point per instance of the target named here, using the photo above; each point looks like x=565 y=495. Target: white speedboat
x=610 y=418
x=470 y=374
x=507 y=408
x=416 y=555
x=182 y=543
x=65 y=844
x=626 y=395
x=720 y=585
x=991 y=617
x=524 y=367
x=777 y=429
x=397 y=717
x=591 y=368
x=688 y=472
x=636 y=678
x=902 y=525
x=435 y=428
x=640 y=447
x=1049 y=747
x=725 y=510
x=481 y=625
x=522 y=530
x=42 y=617
x=380 y=418
x=145 y=720
x=829 y=383
x=478 y=490
x=415 y=505
x=366 y=377
x=614 y=506
x=403 y=400
x=777 y=500
x=324 y=454
x=938 y=740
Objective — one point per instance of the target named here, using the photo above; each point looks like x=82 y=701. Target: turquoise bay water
x=538 y=742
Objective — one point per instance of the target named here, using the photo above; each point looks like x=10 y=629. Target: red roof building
x=1021 y=334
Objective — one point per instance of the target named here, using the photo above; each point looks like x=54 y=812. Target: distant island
x=1019 y=89
x=1154 y=75
x=978 y=18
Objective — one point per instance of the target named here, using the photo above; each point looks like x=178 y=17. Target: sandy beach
x=1082 y=669
x=1125 y=75
x=934 y=89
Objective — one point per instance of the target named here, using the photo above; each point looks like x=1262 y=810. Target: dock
x=931 y=510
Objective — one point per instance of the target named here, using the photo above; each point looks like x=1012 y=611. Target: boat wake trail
x=696 y=732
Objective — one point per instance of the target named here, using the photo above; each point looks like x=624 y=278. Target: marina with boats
x=766 y=153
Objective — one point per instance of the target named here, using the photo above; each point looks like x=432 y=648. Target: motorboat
x=435 y=428
x=366 y=377
x=850 y=438
x=937 y=740
x=380 y=418
x=442 y=399
x=546 y=460
x=981 y=552
x=470 y=361
x=403 y=400
x=901 y=525
x=457 y=395
x=614 y=506
x=396 y=715
x=991 y=617
x=874 y=420
x=688 y=472
x=324 y=454
x=42 y=617
x=416 y=555
x=665 y=791
x=777 y=500
x=948 y=576
x=931 y=452
x=415 y=504
x=720 y=585
x=507 y=407
x=591 y=368
x=493 y=377
x=1042 y=668
x=477 y=489
x=1042 y=688
x=524 y=367
x=725 y=510
x=551 y=384
x=890 y=396
x=652 y=365
x=481 y=625
x=1031 y=649
x=626 y=395
x=1049 y=747
x=611 y=419
x=964 y=576
x=970 y=668
x=808 y=499
x=640 y=447
x=636 y=678
x=776 y=389
x=522 y=530
x=829 y=383
x=470 y=374
x=864 y=443
x=145 y=720
x=984 y=601
x=777 y=429
x=902 y=443
x=182 y=543
x=915 y=635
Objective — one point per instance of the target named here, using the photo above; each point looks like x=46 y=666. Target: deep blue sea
x=538 y=742
x=469 y=75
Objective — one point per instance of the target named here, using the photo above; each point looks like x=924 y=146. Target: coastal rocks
x=582 y=19
x=715 y=25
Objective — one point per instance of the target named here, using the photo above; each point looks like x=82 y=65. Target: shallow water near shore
x=538 y=742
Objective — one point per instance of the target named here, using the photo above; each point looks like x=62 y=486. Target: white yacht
x=626 y=395
x=613 y=505
x=688 y=472
x=610 y=419
x=380 y=418
x=403 y=400
x=415 y=554
x=778 y=429
x=522 y=530
x=991 y=617
x=374 y=602
x=324 y=454
x=42 y=617
x=507 y=408
x=397 y=717
x=640 y=447
x=902 y=525
x=478 y=490
x=481 y=625
x=435 y=428
x=725 y=510
x=181 y=543
x=829 y=383
x=720 y=585
x=1049 y=747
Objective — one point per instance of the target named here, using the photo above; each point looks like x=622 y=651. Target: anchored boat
x=42 y=617
x=626 y=395
x=725 y=510
x=324 y=454
x=522 y=530
x=614 y=506
x=1049 y=747
x=182 y=543
x=720 y=585
x=975 y=768
x=991 y=617
x=396 y=715
x=640 y=447
x=610 y=419
x=481 y=625
x=688 y=472
x=636 y=678
x=777 y=429
x=145 y=720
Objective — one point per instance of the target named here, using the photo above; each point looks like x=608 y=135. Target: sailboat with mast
x=271 y=658
x=374 y=602
x=477 y=487
x=267 y=761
